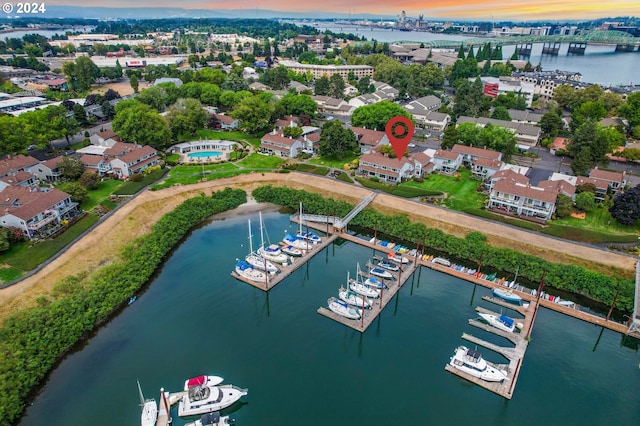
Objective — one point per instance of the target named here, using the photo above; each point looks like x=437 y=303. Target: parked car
x=32 y=147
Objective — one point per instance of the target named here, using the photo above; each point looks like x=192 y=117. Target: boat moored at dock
x=247 y=271
x=203 y=399
x=501 y=322
x=343 y=309
x=471 y=362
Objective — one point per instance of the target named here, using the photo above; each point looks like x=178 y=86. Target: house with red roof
x=49 y=170
x=12 y=164
x=446 y=162
x=99 y=164
x=226 y=122
x=607 y=181
x=276 y=143
x=36 y=212
x=106 y=138
x=522 y=199
x=390 y=170
x=368 y=138
x=136 y=160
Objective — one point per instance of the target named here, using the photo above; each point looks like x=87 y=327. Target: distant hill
x=168 y=13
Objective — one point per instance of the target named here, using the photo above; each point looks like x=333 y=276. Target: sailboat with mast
x=272 y=252
x=257 y=261
x=149 y=409
x=363 y=290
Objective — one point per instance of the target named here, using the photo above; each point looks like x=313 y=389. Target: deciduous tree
x=336 y=141
x=626 y=206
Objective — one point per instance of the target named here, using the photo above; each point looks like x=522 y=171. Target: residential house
x=136 y=160
x=390 y=170
x=422 y=163
x=506 y=174
x=48 y=171
x=226 y=122
x=446 y=162
x=558 y=144
x=37 y=213
x=368 y=138
x=335 y=106
x=106 y=138
x=606 y=181
x=425 y=113
x=287 y=121
x=521 y=199
x=275 y=143
x=482 y=162
x=256 y=86
x=99 y=164
x=526 y=116
x=12 y=164
x=21 y=178
x=298 y=87
x=527 y=135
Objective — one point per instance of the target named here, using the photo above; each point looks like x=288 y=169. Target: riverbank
x=100 y=247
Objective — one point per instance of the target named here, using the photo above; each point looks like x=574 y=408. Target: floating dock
x=377 y=305
x=513 y=354
x=286 y=270
x=167 y=400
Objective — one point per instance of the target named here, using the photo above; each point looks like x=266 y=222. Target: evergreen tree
x=461 y=51
x=470 y=55
x=514 y=57
x=582 y=162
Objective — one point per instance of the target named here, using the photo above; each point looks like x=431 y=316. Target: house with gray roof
x=527 y=135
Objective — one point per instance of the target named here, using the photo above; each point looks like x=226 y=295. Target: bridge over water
x=623 y=42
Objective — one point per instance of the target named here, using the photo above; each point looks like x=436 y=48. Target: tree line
x=32 y=340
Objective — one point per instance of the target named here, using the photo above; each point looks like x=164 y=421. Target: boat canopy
x=210 y=419
x=506 y=320
x=475 y=355
x=196 y=381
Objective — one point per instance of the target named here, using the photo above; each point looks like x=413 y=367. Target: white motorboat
x=380 y=272
x=203 y=399
x=471 y=362
x=352 y=298
x=149 y=410
x=249 y=272
x=390 y=266
x=271 y=252
x=257 y=261
x=342 y=308
x=291 y=251
x=296 y=242
x=310 y=236
x=501 y=322
x=394 y=257
x=212 y=419
x=202 y=380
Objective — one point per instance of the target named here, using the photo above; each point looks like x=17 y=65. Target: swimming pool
x=204 y=154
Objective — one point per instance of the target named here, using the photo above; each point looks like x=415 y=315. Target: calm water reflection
x=304 y=369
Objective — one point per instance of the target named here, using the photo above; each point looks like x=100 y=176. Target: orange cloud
x=462 y=9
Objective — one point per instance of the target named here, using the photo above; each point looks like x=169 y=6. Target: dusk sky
x=463 y=9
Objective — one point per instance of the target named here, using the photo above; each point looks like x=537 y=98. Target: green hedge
x=32 y=340
x=574 y=279
x=344 y=177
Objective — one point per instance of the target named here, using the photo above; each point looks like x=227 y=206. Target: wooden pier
x=167 y=400
x=377 y=305
x=513 y=354
x=286 y=270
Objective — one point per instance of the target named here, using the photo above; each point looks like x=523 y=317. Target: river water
x=304 y=369
x=599 y=64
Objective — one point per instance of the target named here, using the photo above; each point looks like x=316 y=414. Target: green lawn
x=332 y=162
x=193 y=170
x=259 y=161
x=187 y=180
x=598 y=220
x=130 y=188
x=95 y=196
x=460 y=192
x=27 y=255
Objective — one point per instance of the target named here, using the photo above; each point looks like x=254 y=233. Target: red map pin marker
x=399 y=130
